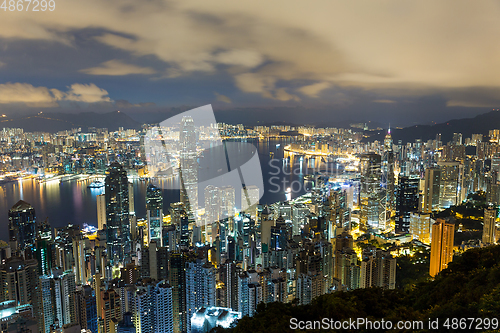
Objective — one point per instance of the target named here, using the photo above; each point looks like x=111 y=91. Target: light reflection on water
x=73 y=202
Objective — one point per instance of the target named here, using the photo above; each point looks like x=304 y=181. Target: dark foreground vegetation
x=469 y=288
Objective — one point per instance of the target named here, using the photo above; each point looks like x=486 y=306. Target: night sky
x=397 y=61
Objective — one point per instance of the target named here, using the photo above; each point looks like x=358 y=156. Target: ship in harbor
x=96 y=184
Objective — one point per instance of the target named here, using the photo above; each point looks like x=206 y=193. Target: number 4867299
x=28 y=5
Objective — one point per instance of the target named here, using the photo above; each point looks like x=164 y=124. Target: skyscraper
x=22 y=226
x=154 y=208
x=489 y=225
x=177 y=279
x=431 y=190
x=449 y=192
x=58 y=299
x=249 y=200
x=117 y=214
x=388 y=171
x=406 y=202
x=188 y=165
x=370 y=193
x=441 y=246
x=101 y=211
x=200 y=287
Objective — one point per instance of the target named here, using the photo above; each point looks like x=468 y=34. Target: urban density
x=216 y=166
x=167 y=272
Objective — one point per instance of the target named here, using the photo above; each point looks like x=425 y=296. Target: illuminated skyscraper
x=420 y=226
x=177 y=279
x=388 y=171
x=249 y=200
x=57 y=299
x=212 y=211
x=431 y=190
x=101 y=211
x=200 y=287
x=406 y=202
x=154 y=208
x=117 y=214
x=22 y=226
x=489 y=225
x=370 y=193
x=188 y=165
x=441 y=246
x=449 y=192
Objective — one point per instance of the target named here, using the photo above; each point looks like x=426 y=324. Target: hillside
x=480 y=124
x=469 y=288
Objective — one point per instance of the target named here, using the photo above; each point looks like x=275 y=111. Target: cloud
x=391 y=45
x=117 y=68
x=87 y=93
x=2 y=64
x=29 y=95
x=24 y=93
x=121 y=103
x=314 y=89
x=222 y=98
x=386 y=101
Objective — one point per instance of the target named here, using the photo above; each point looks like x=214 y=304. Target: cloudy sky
x=401 y=58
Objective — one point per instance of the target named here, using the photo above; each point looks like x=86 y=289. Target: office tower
x=188 y=165
x=266 y=224
x=101 y=211
x=79 y=259
x=279 y=234
x=431 y=190
x=449 y=192
x=421 y=226
x=249 y=200
x=200 y=287
x=370 y=194
x=22 y=226
x=457 y=139
x=154 y=209
x=44 y=250
x=489 y=226
x=492 y=188
x=227 y=202
x=407 y=201
x=117 y=214
x=86 y=308
x=441 y=246
x=184 y=234
x=177 y=279
x=388 y=171
x=212 y=211
x=58 y=303
x=378 y=269
x=228 y=272
x=299 y=218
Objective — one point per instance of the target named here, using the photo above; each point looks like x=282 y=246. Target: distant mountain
x=54 y=122
x=480 y=124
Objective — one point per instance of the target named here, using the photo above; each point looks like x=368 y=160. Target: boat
x=96 y=184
